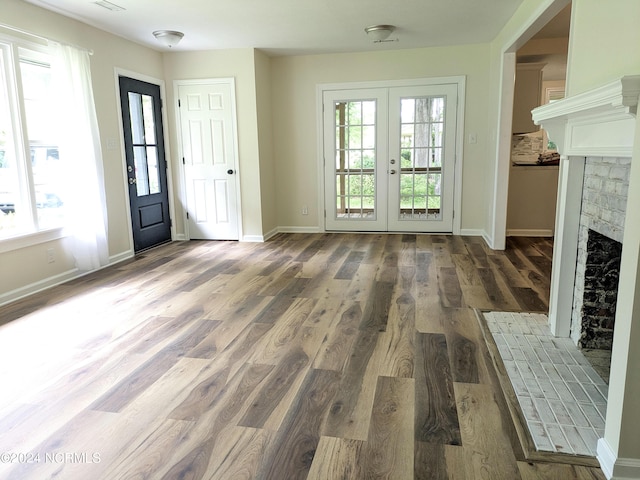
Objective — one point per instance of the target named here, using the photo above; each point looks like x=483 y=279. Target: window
x=31 y=171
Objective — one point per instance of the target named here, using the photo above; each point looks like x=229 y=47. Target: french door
x=390 y=158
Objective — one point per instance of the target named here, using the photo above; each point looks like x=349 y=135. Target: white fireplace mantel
x=599 y=123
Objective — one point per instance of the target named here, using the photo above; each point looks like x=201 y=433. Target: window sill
x=29 y=239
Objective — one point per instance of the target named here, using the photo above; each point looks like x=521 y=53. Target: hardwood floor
x=328 y=356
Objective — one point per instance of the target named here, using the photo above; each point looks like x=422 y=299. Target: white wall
x=28 y=267
x=294 y=81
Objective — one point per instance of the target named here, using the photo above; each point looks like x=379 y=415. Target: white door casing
x=208 y=129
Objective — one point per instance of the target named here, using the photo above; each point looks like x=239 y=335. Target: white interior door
x=390 y=158
x=207 y=121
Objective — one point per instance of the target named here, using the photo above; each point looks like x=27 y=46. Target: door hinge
x=179 y=104
x=453 y=214
x=183 y=162
x=187 y=215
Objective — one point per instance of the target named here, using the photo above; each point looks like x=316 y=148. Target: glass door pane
x=145 y=145
x=354 y=137
x=355 y=159
x=421 y=153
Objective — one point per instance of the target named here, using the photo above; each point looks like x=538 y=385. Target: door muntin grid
x=422 y=131
x=355 y=160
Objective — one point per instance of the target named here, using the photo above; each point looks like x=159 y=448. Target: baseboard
x=472 y=232
x=299 y=230
x=61 y=278
x=121 y=257
x=529 y=232
x=488 y=239
x=270 y=234
x=616 y=468
x=253 y=238
x=38 y=286
x=180 y=237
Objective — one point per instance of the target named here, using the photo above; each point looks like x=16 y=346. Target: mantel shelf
x=600 y=122
x=619 y=96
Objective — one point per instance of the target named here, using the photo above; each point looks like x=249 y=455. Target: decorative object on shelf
x=170 y=38
x=380 y=33
x=526 y=147
x=549 y=158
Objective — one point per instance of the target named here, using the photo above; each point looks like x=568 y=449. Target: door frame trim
x=231 y=81
x=120 y=72
x=458 y=80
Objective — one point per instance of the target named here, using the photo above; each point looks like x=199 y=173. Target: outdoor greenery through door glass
x=422 y=132
x=355 y=159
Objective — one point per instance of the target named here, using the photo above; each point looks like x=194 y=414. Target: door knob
x=392 y=172
x=230 y=172
x=392 y=161
x=132 y=181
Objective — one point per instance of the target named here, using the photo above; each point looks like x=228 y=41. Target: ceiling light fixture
x=380 y=33
x=169 y=38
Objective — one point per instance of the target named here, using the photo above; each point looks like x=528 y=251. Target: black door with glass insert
x=146 y=163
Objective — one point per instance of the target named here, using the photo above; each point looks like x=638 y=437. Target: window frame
x=13 y=50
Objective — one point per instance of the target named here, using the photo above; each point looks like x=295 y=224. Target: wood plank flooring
x=326 y=356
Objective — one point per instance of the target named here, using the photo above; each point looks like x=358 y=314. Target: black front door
x=146 y=163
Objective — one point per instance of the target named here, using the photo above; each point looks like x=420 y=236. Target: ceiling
x=289 y=27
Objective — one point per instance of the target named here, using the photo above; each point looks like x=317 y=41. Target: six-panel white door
x=209 y=159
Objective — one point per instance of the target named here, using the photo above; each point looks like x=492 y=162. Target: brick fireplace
x=601 y=228
x=594 y=133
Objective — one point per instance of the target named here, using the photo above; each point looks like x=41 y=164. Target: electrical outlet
x=305 y=210
x=51 y=255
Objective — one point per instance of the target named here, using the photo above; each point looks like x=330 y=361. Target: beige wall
x=604 y=43
x=265 y=138
x=29 y=266
x=532 y=200
x=295 y=118
x=239 y=64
